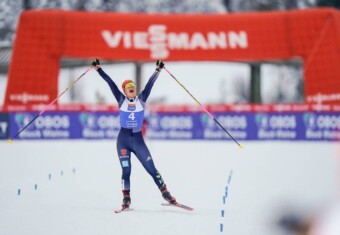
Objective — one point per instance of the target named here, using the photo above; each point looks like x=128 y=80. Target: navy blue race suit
x=130 y=138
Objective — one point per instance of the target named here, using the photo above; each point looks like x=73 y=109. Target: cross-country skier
x=130 y=138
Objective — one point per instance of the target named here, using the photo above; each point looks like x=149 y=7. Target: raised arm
x=143 y=96
x=114 y=88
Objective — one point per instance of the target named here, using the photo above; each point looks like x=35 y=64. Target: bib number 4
x=132 y=116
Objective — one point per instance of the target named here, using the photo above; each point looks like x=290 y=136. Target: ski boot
x=126 y=199
x=167 y=196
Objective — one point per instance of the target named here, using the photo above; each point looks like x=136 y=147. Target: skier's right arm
x=114 y=88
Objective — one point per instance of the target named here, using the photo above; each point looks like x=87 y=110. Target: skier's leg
x=124 y=156
x=143 y=154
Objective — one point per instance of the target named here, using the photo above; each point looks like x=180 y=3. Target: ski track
x=267 y=179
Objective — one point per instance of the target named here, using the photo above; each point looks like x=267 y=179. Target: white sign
x=159 y=41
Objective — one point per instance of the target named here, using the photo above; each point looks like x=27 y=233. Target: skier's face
x=130 y=90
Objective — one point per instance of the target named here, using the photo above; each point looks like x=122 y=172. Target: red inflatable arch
x=44 y=37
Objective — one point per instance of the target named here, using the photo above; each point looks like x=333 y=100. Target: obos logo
x=309 y=120
x=328 y=122
x=22 y=120
x=88 y=120
x=227 y=121
x=275 y=121
x=176 y=122
x=207 y=121
x=108 y=122
x=43 y=122
x=53 y=122
x=262 y=121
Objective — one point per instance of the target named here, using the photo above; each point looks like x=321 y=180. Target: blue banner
x=246 y=126
x=47 y=126
x=66 y=125
x=287 y=126
x=100 y=125
x=321 y=126
x=290 y=126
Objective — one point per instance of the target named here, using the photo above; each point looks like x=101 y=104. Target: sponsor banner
x=286 y=126
x=98 y=125
x=235 y=124
x=157 y=108
x=321 y=126
x=4 y=126
x=173 y=126
x=243 y=126
x=48 y=126
x=262 y=36
x=66 y=125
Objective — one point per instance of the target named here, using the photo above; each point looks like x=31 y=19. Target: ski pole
x=47 y=106
x=204 y=109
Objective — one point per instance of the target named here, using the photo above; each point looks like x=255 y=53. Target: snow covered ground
x=264 y=180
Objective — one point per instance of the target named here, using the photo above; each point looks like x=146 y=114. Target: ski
x=122 y=210
x=179 y=205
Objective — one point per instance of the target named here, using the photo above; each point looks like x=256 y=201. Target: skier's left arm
x=143 y=96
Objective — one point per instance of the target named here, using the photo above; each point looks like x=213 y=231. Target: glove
x=160 y=65
x=96 y=62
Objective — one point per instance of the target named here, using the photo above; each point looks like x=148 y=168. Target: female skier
x=130 y=138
